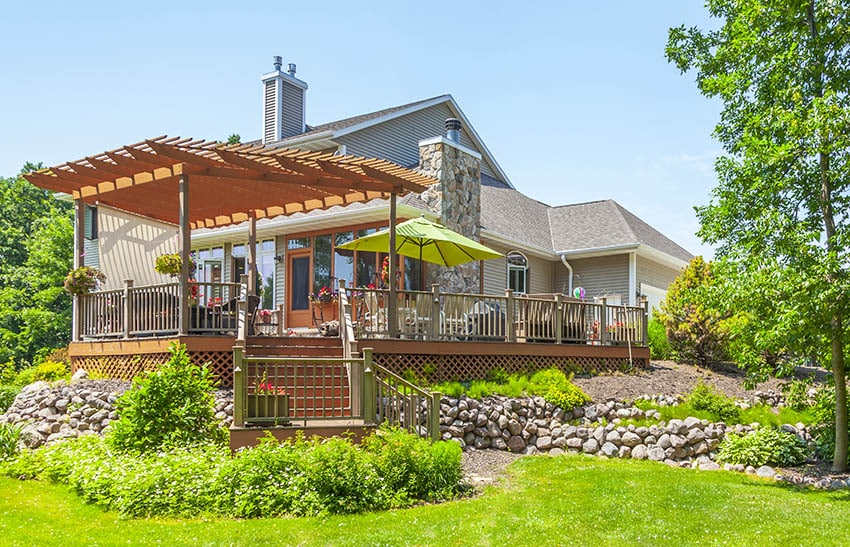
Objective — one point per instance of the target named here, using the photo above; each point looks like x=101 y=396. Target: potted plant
x=268 y=402
x=325 y=295
x=83 y=280
x=265 y=316
x=171 y=264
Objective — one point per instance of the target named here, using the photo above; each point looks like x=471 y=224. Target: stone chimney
x=457 y=197
x=283 y=103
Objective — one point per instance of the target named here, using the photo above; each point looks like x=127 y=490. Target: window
x=90 y=222
x=517 y=272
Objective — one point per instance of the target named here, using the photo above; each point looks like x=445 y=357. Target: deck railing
x=154 y=310
x=289 y=390
x=510 y=318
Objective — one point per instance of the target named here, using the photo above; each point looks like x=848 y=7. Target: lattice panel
x=125 y=367
x=442 y=368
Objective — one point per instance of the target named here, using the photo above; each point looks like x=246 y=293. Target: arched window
x=517 y=272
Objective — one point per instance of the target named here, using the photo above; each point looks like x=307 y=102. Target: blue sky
x=574 y=99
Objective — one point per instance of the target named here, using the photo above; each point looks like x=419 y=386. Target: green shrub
x=823 y=427
x=413 y=468
x=659 y=345
x=706 y=398
x=765 y=446
x=7 y=396
x=10 y=434
x=8 y=374
x=171 y=406
x=558 y=389
x=450 y=389
x=48 y=371
x=318 y=476
x=479 y=389
x=796 y=393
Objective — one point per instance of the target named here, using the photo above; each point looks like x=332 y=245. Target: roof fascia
x=639 y=248
x=539 y=252
x=286 y=225
x=479 y=143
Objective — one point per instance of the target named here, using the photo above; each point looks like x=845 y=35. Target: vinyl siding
x=269 y=110
x=495 y=274
x=599 y=276
x=293 y=110
x=398 y=140
x=129 y=245
x=655 y=274
x=91 y=253
x=280 y=273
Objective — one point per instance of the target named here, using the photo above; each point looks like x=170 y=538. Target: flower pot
x=268 y=407
x=326 y=299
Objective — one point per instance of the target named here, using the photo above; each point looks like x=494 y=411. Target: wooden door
x=299 y=275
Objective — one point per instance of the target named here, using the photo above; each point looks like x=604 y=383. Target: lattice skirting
x=442 y=368
x=125 y=367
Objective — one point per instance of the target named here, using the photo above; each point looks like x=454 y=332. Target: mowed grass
x=566 y=500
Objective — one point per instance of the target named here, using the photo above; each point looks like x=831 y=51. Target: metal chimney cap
x=278 y=62
x=291 y=69
x=453 y=124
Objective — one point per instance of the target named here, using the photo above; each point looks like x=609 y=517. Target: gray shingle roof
x=592 y=225
x=354 y=120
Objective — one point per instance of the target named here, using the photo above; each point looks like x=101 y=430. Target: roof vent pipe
x=278 y=62
x=292 y=69
x=453 y=130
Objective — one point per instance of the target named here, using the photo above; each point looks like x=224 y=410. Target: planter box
x=268 y=408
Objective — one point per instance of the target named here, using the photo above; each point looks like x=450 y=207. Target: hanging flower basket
x=171 y=264
x=83 y=280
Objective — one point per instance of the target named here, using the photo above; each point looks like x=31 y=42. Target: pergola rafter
x=230 y=182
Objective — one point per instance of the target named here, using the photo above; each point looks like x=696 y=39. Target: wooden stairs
x=316 y=390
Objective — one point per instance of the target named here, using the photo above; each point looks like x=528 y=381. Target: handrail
x=281 y=390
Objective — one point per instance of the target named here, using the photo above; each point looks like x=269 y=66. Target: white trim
x=284 y=75
x=532 y=250
x=278 y=114
x=597 y=251
x=444 y=140
x=632 y=278
x=453 y=106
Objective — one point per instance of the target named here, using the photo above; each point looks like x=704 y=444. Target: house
x=598 y=246
x=263 y=223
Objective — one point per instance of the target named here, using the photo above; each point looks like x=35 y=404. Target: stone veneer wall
x=458 y=198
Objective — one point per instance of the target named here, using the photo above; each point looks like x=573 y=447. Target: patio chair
x=376 y=318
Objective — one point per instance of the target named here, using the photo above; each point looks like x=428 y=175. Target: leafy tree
x=234 y=139
x=694 y=324
x=36 y=248
x=780 y=210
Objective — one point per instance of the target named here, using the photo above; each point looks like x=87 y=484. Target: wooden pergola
x=207 y=184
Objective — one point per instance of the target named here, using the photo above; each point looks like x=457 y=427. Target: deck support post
x=392 y=308
x=644 y=302
x=128 y=307
x=434 y=333
x=559 y=319
x=242 y=327
x=252 y=253
x=434 y=416
x=79 y=249
x=185 y=242
x=510 y=323
x=238 y=387
x=368 y=388
x=603 y=323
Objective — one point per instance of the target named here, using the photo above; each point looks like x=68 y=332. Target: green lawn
x=568 y=500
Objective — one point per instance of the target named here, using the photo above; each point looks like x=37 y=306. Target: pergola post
x=79 y=247
x=252 y=253
x=392 y=309
x=185 y=242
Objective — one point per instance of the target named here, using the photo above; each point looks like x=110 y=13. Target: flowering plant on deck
x=265 y=387
x=325 y=294
x=83 y=280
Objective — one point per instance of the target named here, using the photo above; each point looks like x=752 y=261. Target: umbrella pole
x=392 y=307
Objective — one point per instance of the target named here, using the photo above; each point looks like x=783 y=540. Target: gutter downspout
x=570 y=268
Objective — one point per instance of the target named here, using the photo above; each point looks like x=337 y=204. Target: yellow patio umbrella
x=429 y=241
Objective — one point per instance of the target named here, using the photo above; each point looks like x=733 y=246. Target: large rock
x=656 y=454
x=639 y=452
x=590 y=446
x=766 y=471
x=610 y=449
x=516 y=444
x=631 y=439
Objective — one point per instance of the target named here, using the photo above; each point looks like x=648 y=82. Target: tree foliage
x=36 y=248
x=780 y=210
x=694 y=324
